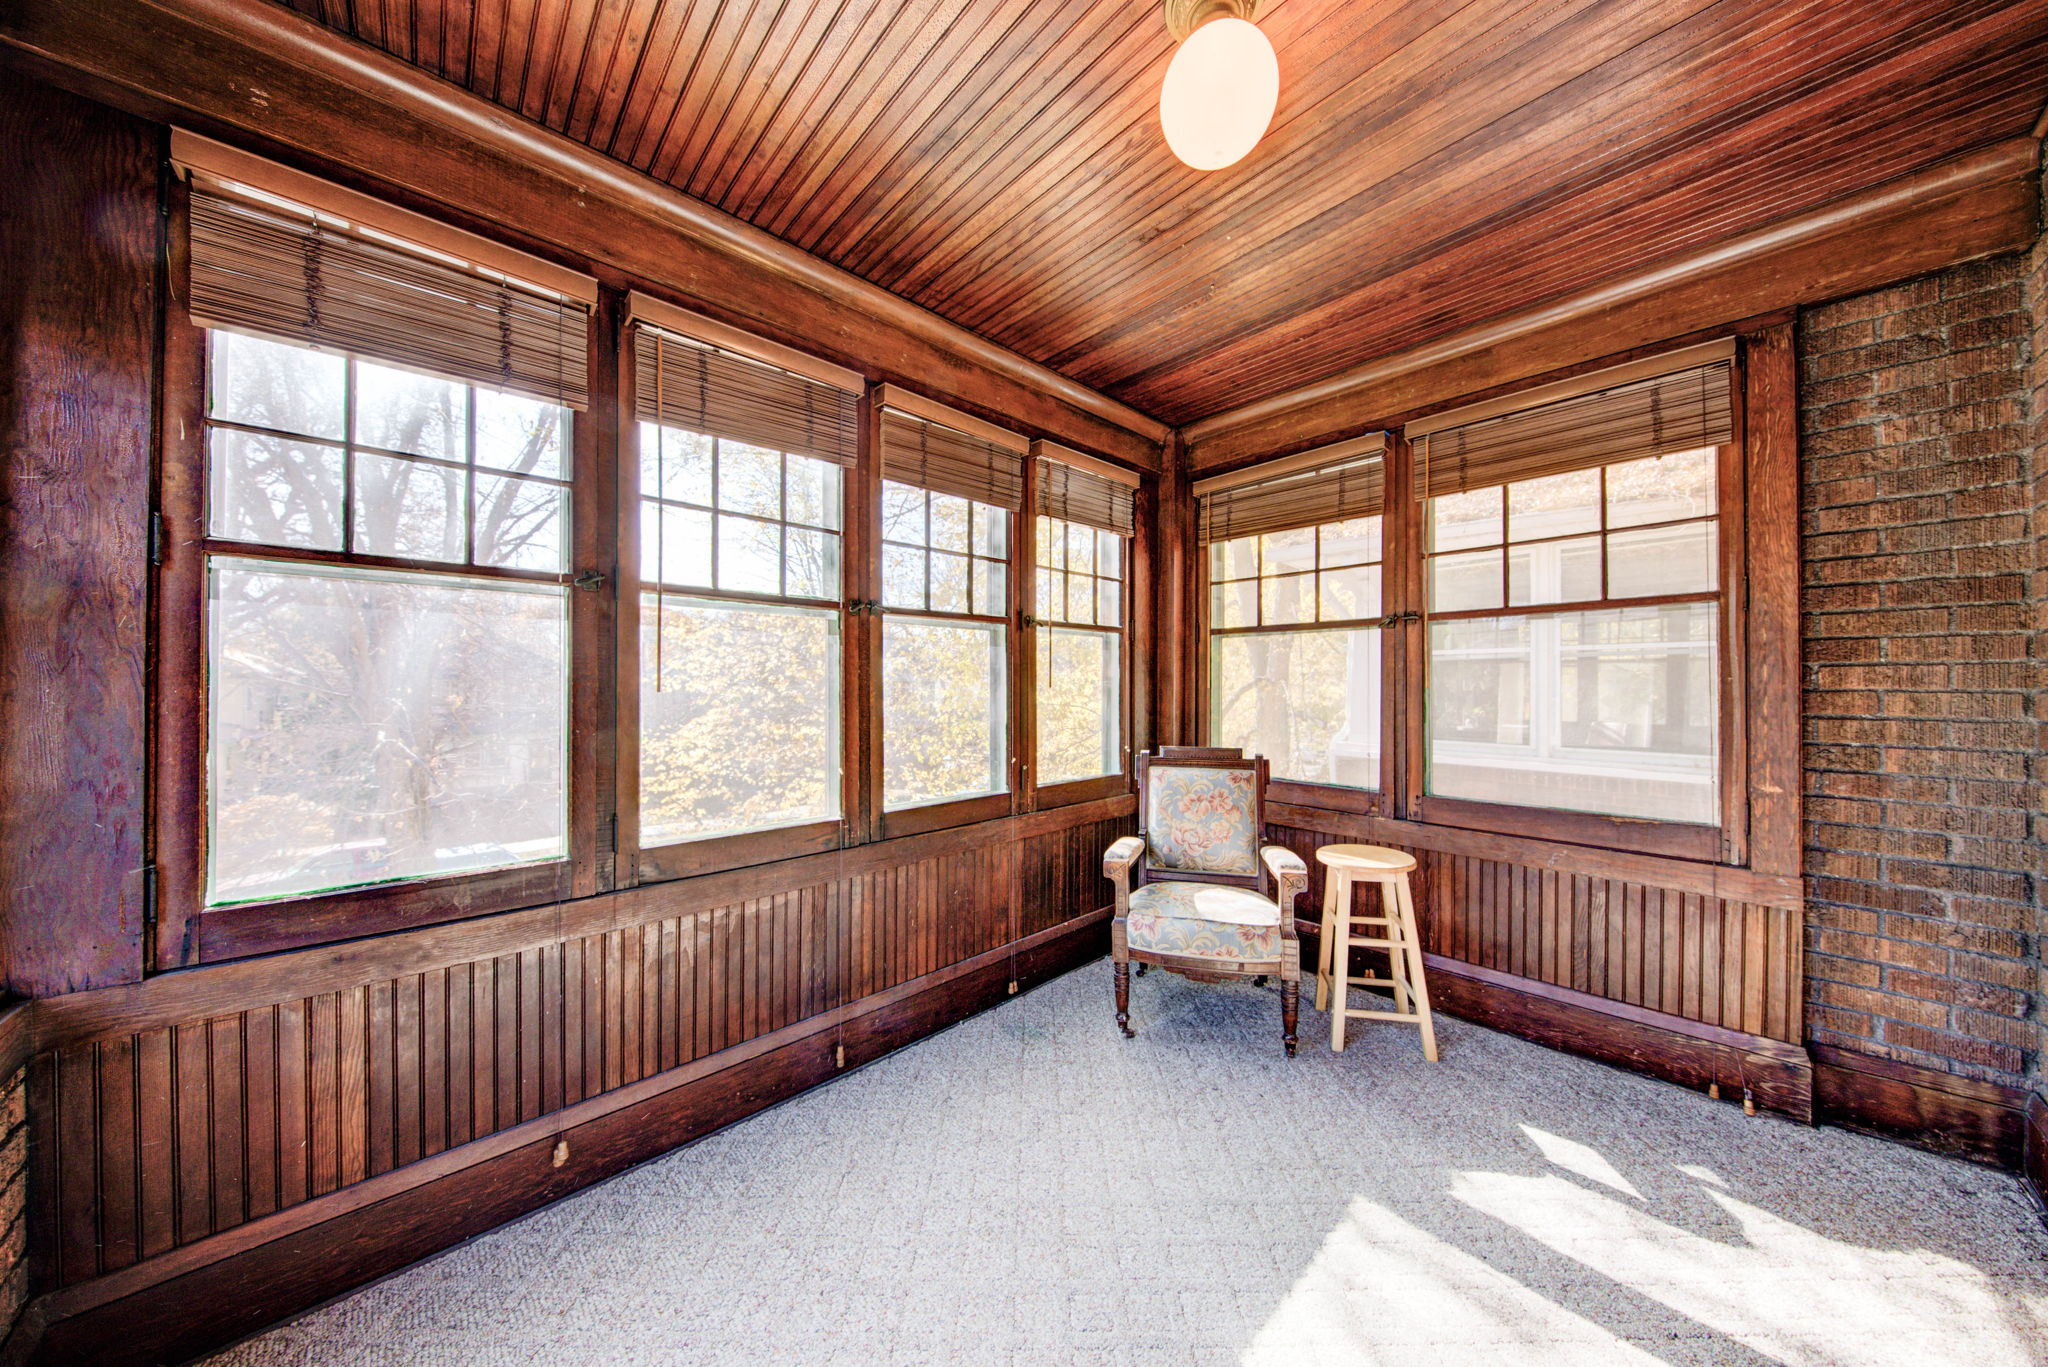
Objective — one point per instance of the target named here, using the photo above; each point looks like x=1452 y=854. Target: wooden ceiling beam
x=1969 y=206
x=248 y=71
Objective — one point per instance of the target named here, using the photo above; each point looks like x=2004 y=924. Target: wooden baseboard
x=1980 y=1121
x=171 y=1308
x=1775 y=1075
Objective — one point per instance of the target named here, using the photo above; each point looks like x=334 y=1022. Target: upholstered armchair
x=1191 y=885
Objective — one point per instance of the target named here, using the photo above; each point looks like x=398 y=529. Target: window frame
x=185 y=930
x=1405 y=655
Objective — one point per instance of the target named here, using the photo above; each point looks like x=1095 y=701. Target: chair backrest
x=1202 y=811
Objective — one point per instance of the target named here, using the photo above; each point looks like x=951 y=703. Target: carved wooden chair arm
x=1291 y=877
x=1116 y=866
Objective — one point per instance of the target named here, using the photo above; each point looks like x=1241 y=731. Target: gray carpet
x=1029 y=1188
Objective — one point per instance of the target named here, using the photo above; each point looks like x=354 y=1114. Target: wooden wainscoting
x=197 y=1118
x=1685 y=970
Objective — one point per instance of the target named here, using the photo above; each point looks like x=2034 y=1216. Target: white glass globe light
x=1219 y=93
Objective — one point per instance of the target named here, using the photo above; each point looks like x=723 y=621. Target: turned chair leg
x=1123 y=998
x=1290 y=1009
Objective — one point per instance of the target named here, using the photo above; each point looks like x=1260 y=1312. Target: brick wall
x=1921 y=738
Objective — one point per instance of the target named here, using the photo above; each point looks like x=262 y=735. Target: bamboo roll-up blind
x=948 y=461
x=1679 y=411
x=1072 y=494
x=294 y=275
x=1350 y=483
x=689 y=384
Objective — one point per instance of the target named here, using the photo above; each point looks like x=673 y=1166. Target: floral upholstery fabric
x=1203 y=820
x=1204 y=921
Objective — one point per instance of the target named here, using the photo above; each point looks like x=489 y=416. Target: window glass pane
x=1234 y=604
x=1048 y=545
x=813 y=564
x=418 y=414
x=902 y=577
x=1080 y=598
x=991 y=591
x=1460 y=583
x=675 y=546
x=1659 y=560
x=1237 y=559
x=1080 y=548
x=1289 y=552
x=273 y=490
x=1350 y=593
x=1355 y=542
x=1109 y=602
x=1078 y=705
x=902 y=513
x=1662 y=488
x=749 y=479
x=739 y=718
x=749 y=554
x=1309 y=701
x=675 y=464
x=1109 y=554
x=949 y=579
x=813 y=492
x=519 y=434
x=269 y=384
x=1289 y=598
x=408 y=508
x=1051 y=594
x=1557 y=505
x=950 y=527
x=944 y=711
x=991 y=531
x=1554 y=572
x=369 y=726
x=1457 y=521
x=1613 y=711
x=520 y=523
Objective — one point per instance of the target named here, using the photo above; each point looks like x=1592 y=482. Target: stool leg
x=1331 y=878
x=1412 y=932
x=1395 y=931
x=1340 y=982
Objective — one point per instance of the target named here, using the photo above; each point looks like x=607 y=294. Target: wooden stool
x=1397 y=933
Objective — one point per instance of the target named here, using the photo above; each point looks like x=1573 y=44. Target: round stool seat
x=1368 y=860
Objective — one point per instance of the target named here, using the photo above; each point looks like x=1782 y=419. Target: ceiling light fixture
x=1220 y=89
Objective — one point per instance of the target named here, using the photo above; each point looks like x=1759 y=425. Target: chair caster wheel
x=1259 y=981
x=1142 y=968
x=1290 y=1049
x=1128 y=1032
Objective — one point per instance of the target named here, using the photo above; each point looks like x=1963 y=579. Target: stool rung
x=1382 y=1015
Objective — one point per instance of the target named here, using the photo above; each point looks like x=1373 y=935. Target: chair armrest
x=1291 y=875
x=1116 y=866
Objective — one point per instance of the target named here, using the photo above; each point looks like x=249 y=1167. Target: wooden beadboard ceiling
x=1433 y=163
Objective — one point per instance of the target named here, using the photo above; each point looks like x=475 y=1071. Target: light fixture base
x=1185 y=16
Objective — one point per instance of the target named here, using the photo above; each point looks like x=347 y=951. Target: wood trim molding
x=262 y=72
x=1066 y=455
x=1980 y=1121
x=1371 y=443
x=1775 y=1075
x=945 y=415
x=1679 y=875
x=1965 y=207
x=207 y=1293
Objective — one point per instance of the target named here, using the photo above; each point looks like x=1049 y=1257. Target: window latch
x=590 y=581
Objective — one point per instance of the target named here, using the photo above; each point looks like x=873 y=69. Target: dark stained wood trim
x=264 y=73
x=207 y=1293
x=17 y=1037
x=214 y=990
x=1980 y=1121
x=1771 y=655
x=1776 y=1075
x=1679 y=875
x=81 y=236
x=697 y=857
x=1671 y=839
x=226 y=933
x=1969 y=206
x=2034 y=1166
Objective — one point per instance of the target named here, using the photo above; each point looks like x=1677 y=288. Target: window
x=947 y=499
x=1080 y=651
x=741 y=511
x=1575 y=616
x=1086 y=513
x=369 y=723
x=1295 y=615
